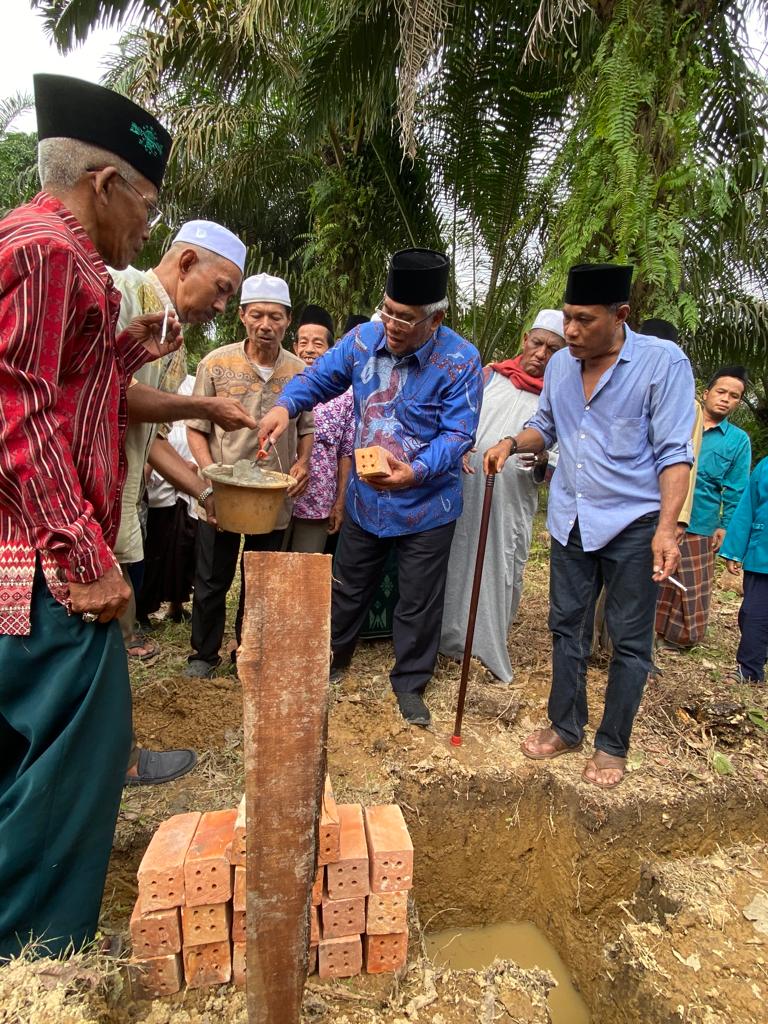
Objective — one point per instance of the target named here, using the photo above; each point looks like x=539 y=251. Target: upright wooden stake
x=283 y=666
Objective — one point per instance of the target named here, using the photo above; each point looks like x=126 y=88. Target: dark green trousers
x=65 y=735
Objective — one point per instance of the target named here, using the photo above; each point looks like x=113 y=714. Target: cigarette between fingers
x=678 y=584
x=165 y=323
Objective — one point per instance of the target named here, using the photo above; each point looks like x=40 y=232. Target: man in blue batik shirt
x=620 y=407
x=417 y=390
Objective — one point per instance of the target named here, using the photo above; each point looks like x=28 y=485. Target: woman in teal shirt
x=746 y=544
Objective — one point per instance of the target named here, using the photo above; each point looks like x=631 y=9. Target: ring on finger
x=89 y=617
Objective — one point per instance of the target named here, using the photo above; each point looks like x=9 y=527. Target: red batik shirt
x=63 y=411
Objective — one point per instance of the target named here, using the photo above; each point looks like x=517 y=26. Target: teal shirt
x=722 y=474
x=747 y=538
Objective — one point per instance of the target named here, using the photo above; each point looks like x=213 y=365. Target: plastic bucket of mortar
x=247 y=504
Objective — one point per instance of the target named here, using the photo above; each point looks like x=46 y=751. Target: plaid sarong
x=682 y=618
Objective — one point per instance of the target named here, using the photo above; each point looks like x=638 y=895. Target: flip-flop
x=565 y=749
x=617 y=762
x=140 y=642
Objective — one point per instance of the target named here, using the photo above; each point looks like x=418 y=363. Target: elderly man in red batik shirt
x=65 y=706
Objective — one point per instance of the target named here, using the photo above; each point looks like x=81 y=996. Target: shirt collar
x=628 y=347
x=723 y=426
x=162 y=294
x=421 y=354
x=45 y=201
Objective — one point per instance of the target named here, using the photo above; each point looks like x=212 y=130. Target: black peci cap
x=69 y=108
x=317 y=315
x=598 y=284
x=354 y=320
x=656 y=328
x=418 y=277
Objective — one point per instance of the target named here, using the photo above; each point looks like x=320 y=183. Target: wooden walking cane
x=490 y=480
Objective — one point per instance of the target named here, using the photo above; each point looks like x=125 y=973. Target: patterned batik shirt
x=63 y=411
x=334 y=439
x=422 y=407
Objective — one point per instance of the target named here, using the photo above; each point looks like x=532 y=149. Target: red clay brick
x=340 y=958
x=312 y=961
x=238 y=926
x=155 y=934
x=238 y=894
x=237 y=855
x=384 y=954
x=387 y=913
x=329 y=828
x=371 y=462
x=314 y=925
x=155 y=976
x=317 y=888
x=348 y=876
x=208 y=965
x=161 y=872
x=238 y=964
x=390 y=849
x=201 y=926
x=343 y=917
x=207 y=870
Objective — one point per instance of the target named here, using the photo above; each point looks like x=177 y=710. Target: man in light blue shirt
x=620 y=407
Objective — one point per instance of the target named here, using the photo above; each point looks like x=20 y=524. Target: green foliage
x=18 y=169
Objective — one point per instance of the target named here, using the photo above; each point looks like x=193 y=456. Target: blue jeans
x=625 y=567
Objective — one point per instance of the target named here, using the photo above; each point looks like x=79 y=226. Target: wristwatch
x=203 y=496
x=514 y=443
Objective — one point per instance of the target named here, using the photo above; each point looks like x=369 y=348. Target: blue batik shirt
x=638 y=421
x=422 y=407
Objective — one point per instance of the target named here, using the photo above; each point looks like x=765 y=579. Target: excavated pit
x=495 y=851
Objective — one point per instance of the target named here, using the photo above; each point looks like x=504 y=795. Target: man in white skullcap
x=255 y=370
x=510 y=397
x=195 y=279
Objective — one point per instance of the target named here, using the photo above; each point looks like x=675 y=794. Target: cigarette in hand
x=677 y=583
x=165 y=324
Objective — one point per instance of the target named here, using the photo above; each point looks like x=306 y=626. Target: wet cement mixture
x=654 y=894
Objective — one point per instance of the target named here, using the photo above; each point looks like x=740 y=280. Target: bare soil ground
x=655 y=894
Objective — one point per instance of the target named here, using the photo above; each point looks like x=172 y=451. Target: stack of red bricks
x=189 y=920
x=188 y=924
x=360 y=895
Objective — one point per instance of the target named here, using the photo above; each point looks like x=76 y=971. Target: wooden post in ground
x=283 y=666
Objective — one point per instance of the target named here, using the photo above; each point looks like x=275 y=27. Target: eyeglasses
x=405 y=324
x=154 y=213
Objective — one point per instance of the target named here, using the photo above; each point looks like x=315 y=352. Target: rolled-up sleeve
x=672 y=413
x=543 y=421
x=459 y=416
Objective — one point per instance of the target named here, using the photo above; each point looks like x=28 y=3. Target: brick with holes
x=329 y=827
x=348 y=877
x=238 y=892
x=385 y=954
x=238 y=926
x=340 y=958
x=387 y=913
x=343 y=917
x=161 y=872
x=208 y=965
x=238 y=964
x=317 y=888
x=203 y=925
x=237 y=855
x=208 y=874
x=155 y=934
x=372 y=462
x=390 y=849
x=152 y=977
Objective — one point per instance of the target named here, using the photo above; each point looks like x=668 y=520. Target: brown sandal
x=559 y=744
x=609 y=761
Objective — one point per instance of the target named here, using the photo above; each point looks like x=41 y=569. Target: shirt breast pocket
x=627 y=436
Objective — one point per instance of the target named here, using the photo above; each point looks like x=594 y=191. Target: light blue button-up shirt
x=638 y=421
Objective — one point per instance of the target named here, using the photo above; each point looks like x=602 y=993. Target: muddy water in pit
x=525 y=945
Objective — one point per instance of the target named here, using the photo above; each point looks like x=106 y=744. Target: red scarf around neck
x=513 y=370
